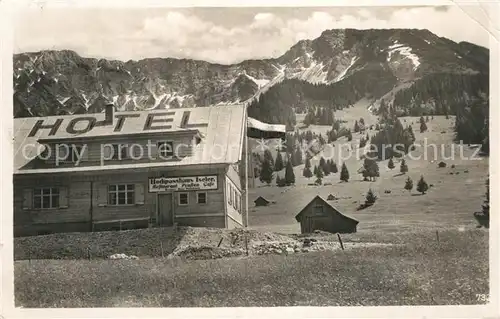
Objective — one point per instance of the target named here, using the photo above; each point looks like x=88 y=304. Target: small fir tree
x=370 y=198
x=349 y=136
x=423 y=127
x=409 y=184
x=356 y=127
x=307 y=172
x=289 y=174
x=344 y=173
x=298 y=157
x=334 y=168
x=422 y=186
x=319 y=175
x=308 y=162
x=390 y=165
x=266 y=172
x=280 y=182
x=403 y=168
x=278 y=163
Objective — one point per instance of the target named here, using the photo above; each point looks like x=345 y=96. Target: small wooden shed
x=261 y=201
x=320 y=215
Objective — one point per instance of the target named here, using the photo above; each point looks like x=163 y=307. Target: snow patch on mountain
x=343 y=73
x=62 y=100
x=313 y=74
x=404 y=51
x=87 y=101
x=260 y=82
x=158 y=99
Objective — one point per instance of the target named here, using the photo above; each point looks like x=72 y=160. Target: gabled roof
x=261 y=198
x=297 y=217
x=221 y=128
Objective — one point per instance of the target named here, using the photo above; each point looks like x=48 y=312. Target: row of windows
x=122 y=151
x=201 y=198
x=233 y=197
x=120 y=194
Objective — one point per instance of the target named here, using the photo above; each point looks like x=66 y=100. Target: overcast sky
x=221 y=35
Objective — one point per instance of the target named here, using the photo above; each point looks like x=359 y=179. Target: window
x=122 y=194
x=165 y=149
x=183 y=199
x=230 y=195
x=202 y=198
x=47 y=197
x=76 y=151
x=235 y=196
x=319 y=210
x=120 y=151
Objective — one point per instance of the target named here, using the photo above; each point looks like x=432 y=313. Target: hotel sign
x=162 y=184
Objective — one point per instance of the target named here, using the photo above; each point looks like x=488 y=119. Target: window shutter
x=139 y=194
x=63 y=197
x=153 y=149
x=102 y=194
x=106 y=152
x=27 y=198
x=64 y=154
x=85 y=151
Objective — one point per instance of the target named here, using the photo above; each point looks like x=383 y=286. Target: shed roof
x=260 y=198
x=297 y=217
x=222 y=129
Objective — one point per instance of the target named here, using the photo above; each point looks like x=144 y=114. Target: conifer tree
x=307 y=172
x=278 y=163
x=266 y=172
x=390 y=165
x=370 y=198
x=344 y=173
x=403 y=168
x=483 y=217
x=319 y=175
x=370 y=169
x=362 y=142
x=297 y=157
x=322 y=163
x=308 y=162
x=315 y=170
x=280 y=182
x=289 y=174
x=422 y=186
x=326 y=168
x=423 y=127
x=334 y=168
x=269 y=157
x=356 y=127
x=409 y=184
x=349 y=136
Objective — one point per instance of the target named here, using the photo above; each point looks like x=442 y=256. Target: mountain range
x=408 y=68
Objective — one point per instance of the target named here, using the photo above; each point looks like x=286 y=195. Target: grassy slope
x=421 y=272
x=449 y=204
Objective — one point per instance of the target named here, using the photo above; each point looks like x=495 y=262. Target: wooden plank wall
x=79 y=197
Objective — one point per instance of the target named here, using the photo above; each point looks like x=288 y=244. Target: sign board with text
x=189 y=183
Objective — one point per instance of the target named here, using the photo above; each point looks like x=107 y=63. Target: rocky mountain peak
x=63 y=82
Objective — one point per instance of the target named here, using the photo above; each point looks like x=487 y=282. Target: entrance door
x=309 y=224
x=165 y=211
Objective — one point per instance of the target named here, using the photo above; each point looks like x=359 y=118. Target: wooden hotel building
x=126 y=170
